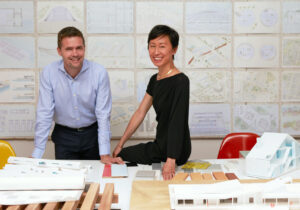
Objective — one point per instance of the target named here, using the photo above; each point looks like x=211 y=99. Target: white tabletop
x=123 y=185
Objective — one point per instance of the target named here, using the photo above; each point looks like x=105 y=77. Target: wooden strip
x=180 y=176
x=70 y=205
x=34 y=206
x=52 y=206
x=219 y=175
x=107 y=197
x=207 y=176
x=196 y=176
x=91 y=196
x=231 y=176
x=15 y=207
x=115 y=198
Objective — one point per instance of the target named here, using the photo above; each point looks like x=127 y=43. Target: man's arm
x=45 y=111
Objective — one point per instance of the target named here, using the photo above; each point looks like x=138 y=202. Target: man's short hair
x=69 y=31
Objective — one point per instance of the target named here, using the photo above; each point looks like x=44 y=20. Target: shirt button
x=74 y=94
x=75 y=107
x=77 y=119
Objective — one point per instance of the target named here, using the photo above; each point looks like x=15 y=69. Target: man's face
x=72 y=52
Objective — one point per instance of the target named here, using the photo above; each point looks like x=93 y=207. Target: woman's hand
x=168 y=170
x=117 y=150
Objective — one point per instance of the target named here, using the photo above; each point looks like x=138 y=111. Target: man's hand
x=107 y=159
x=117 y=150
x=168 y=170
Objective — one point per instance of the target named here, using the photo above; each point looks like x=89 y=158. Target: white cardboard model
x=273 y=155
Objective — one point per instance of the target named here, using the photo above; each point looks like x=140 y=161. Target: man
x=76 y=94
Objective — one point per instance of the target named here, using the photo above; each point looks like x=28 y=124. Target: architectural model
x=275 y=194
x=273 y=155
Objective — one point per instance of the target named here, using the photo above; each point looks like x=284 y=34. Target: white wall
x=200 y=148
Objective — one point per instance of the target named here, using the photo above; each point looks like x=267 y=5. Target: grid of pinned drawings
x=242 y=58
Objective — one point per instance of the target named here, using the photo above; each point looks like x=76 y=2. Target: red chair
x=233 y=143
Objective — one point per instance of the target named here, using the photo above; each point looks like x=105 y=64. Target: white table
x=123 y=185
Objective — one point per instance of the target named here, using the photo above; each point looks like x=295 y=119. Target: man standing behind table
x=75 y=93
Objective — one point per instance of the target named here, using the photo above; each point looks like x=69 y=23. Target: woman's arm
x=135 y=121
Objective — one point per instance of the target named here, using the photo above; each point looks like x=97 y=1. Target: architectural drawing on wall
x=257 y=118
x=290 y=119
x=142 y=54
x=17 y=120
x=122 y=85
x=209 y=86
x=148 y=127
x=256 y=51
x=17 y=52
x=291 y=17
x=149 y=14
x=112 y=52
x=291 y=52
x=143 y=78
x=290 y=86
x=209 y=119
x=110 y=17
x=120 y=116
x=17 y=86
x=16 y=17
x=256 y=17
x=47 y=51
x=208 y=17
x=255 y=86
x=54 y=15
x=207 y=51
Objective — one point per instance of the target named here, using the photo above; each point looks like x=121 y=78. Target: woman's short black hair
x=164 y=30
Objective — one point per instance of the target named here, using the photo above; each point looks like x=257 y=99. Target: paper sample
x=17 y=86
x=112 y=52
x=208 y=17
x=256 y=118
x=256 y=51
x=291 y=52
x=209 y=86
x=17 y=120
x=55 y=15
x=291 y=17
x=120 y=116
x=16 y=17
x=110 y=17
x=122 y=85
x=290 y=119
x=47 y=50
x=290 y=86
x=209 y=119
x=207 y=51
x=254 y=86
x=17 y=52
x=257 y=17
x=149 y=14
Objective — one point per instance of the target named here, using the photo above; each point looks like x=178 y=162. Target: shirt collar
x=84 y=68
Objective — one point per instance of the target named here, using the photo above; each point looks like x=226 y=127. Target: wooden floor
x=87 y=201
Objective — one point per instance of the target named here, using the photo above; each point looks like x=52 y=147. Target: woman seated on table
x=168 y=92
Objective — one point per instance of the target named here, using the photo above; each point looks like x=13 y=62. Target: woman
x=168 y=92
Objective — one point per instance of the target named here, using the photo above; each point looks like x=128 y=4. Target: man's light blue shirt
x=73 y=102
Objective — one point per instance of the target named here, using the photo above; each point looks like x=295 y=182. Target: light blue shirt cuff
x=37 y=153
x=104 y=148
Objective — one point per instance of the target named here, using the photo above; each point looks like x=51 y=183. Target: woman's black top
x=171 y=104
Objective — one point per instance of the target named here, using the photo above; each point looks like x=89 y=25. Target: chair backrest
x=233 y=143
x=5 y=152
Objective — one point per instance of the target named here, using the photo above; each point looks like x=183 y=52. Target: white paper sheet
x=110 y=17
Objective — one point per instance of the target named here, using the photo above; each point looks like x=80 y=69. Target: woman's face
x=161 y=51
